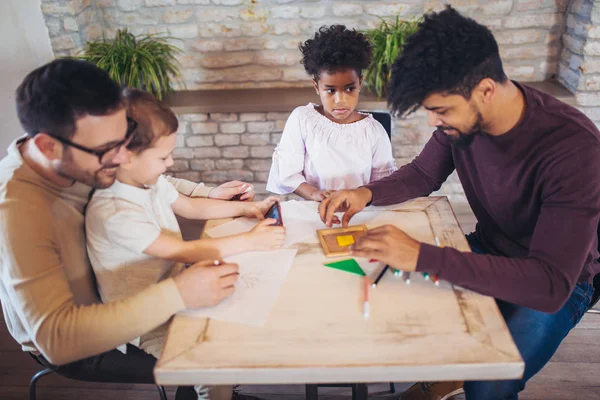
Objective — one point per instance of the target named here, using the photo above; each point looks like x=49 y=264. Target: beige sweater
x=47 y=287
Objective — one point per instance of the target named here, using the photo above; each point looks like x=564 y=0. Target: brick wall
x=579 y=68
x=217 y=147
x=253 y=43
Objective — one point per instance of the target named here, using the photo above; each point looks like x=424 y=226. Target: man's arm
x=35 y=282
x=425 y=174
x=564 y=240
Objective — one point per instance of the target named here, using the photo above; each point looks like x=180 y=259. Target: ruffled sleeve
x=383 y=160
x=287 y=169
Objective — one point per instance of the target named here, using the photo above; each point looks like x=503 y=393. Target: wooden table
x=316 y=332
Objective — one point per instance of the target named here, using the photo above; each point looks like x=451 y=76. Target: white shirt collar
x=131 y=193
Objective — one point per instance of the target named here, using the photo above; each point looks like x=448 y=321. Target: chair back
x=384 y=119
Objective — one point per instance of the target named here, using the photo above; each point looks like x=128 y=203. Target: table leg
x=312 y=392
x=360 y=392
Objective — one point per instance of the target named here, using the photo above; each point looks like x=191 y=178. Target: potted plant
x=388 y=41
x=146 y=62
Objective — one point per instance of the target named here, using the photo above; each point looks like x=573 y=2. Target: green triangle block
x=349 y=265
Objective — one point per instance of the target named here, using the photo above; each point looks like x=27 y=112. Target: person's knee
x=492 y=390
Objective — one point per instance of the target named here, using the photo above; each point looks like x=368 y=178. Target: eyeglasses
x=104 y=156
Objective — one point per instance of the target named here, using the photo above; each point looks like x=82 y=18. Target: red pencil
x=366 y=306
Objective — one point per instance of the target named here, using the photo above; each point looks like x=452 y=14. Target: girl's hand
x=267 y=237
x=258 y=209
x=320 y=195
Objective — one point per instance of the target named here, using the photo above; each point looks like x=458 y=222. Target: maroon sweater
x=536 y=194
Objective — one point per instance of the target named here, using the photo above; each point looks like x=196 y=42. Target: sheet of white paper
x=261 y=276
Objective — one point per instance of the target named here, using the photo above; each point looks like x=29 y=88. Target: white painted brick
x=230 y=164
x=183 y=127
x=185 y=153
x=312 y=12
x=202 y=165
x=225 y=60
x=232 y=127
x=53 y=27
x=589 y=99
x=261 y=127
x=532 y=20
x=256 y=139
x=347 y=10
x=498 y=7
x=184 y=31
x=258 y=165
x=216 y=14
x=573 y=43
x=245 y=44
x=177 y=16
x=275 y=138
x=205 y=46
x=179 y=166
x=589 y=83
x=222 y=176
x=505 y=37
x=381 y=9
x=236 y=152
x=592 y=113
x=286 y=12
x=248 y=117
x=227 y=140
x=224 y=117
x=207 y=152
x=262 y=151
x=278 y=116
x=159 y=3
x=591 y=65
x=227 y=2
x=199 y=141
x=592 y=48
x=203 y=2
x=205 y=127
x=193 y=117
x=261 y=176
x=70 y=25
x=63 y=43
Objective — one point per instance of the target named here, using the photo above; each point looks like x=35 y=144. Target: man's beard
x=464 y=139
x=96 y=179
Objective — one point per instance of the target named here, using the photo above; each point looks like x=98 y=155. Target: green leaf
x=388 y=41
x=147 y=62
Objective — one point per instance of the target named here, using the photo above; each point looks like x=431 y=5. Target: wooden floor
x=573 y=373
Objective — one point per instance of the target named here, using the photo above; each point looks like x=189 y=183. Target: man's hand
x=390 y=245
x=242 y=191
x=258 y=209
x=351 y=201
x=205 y=284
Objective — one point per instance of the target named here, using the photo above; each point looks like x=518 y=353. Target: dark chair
x=47 y=371
x=384 y=119
x=596 y=283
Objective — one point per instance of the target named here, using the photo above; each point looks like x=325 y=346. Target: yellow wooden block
x=345 y=240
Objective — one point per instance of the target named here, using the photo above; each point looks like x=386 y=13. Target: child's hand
x=321 y=195
x=258 y=209
x=234 y=190
x=267 y=237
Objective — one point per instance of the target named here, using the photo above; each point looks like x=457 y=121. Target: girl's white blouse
x=328 y=155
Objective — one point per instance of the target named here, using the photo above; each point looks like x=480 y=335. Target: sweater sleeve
x=563 y=241
x=425 y=174
x=188 y=188
x=35 y=281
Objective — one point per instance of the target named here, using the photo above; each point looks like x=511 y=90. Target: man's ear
x=486 y=90
x=51 y=148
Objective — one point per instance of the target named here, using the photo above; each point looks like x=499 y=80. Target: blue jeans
x=536 y=334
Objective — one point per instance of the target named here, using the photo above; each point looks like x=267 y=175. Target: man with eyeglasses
x=76 y=137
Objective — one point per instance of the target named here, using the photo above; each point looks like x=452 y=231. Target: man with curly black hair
x=331 y=146
x=530 y=168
